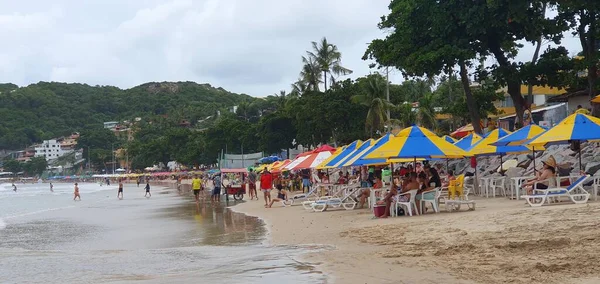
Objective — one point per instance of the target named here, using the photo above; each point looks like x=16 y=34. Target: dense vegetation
x=46 y=110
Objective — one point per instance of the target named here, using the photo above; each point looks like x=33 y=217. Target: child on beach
x=148 y=190
x=76 y=193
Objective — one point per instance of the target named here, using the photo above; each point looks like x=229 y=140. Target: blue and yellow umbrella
x=336 y=159
x=576 y=127
x=521 y=136
x=485 y=148
x=468 y=141
x=360 y=160
x=449 y=139
x=416 y=142
x=338 y=151
x=356 y=153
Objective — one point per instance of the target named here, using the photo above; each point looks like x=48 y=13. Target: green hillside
x=45 y=110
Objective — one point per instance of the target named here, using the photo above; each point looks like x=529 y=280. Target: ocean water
x=47 y=237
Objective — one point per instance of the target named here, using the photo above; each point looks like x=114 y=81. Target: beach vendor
x=266 y=183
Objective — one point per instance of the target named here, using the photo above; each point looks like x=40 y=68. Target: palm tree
x=426 y=112
x=407 y=116
x=299 y=88
x=310 y=74
x=281 y=100
x=329 y=59
x=374 y=99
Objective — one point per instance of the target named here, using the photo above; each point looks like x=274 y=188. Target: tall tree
x=329 y=59
x=310 y=76
x=583 y=16
x=374 y=98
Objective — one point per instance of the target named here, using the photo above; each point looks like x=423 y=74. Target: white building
x=111 y=124
x=49 y=149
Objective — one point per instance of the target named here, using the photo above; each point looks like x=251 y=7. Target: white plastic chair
x=497 y=183
x=409 y=205
x=433 y=201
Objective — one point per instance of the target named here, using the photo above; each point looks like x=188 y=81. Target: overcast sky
x=244 y=46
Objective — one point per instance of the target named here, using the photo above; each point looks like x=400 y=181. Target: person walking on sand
x=196 y=187
x=76 y=193
x=120 y=192
x=252 y=184
x=148 y=194
x=266 y=183
x=51 y=187
x=138 y=182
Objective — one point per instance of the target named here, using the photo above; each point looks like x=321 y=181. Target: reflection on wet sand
x=215 y=224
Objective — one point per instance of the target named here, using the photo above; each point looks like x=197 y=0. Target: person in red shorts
x=266 y=183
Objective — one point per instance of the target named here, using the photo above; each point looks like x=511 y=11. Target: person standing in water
x=196 y=187
x=138 y=182
x=120 y=192
x=14 y=187
x=76 y=193
x=216 y=194
x=51 y=187
x=148 y=194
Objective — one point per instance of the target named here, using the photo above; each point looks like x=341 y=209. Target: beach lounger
x=575 y=192
x=321 y=205
x=312 y=194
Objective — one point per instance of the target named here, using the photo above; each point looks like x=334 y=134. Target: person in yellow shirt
x=582 y=110
x=197 y=187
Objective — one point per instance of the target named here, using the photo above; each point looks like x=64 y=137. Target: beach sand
x=503 y=241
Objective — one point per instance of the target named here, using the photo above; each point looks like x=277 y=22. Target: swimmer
x=14 y=187
x=51 y=187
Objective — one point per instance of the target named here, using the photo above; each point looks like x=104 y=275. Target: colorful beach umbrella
x=357 y=153
x=520 y=136
x=449 y=139
x=468 y=141
x=416 y=142
x=596 y=100
x=576 y=127
x=336 y=161
x=338 y=151
x=312 y=159
x=360 y=160
x=484 y=147
x=465 y=130
x=280 y=166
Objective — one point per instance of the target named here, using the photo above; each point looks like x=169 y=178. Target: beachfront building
x=49 y=149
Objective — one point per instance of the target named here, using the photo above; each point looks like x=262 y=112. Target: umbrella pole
x=533 y=150
x=447 y=165
x=501 y=165
x=392 y=179
x=580 y=165
x=415 y=165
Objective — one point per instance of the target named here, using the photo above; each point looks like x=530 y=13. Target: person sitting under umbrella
x=545 y=178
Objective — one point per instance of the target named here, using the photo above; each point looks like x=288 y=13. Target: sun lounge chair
x=575 y=192
x=312 y=194
x=342 y=198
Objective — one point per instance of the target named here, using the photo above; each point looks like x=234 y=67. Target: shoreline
x=502 y=241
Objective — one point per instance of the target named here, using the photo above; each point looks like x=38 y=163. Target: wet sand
x=503 y=241
x=166 y=238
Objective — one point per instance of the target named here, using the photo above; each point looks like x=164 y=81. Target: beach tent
x=468 y=141
x=576 y=127
x=337 y=160
x=280 y=166
x=416 y=142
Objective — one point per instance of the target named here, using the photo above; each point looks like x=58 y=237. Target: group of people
x=77 y=195
x=199 y=187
